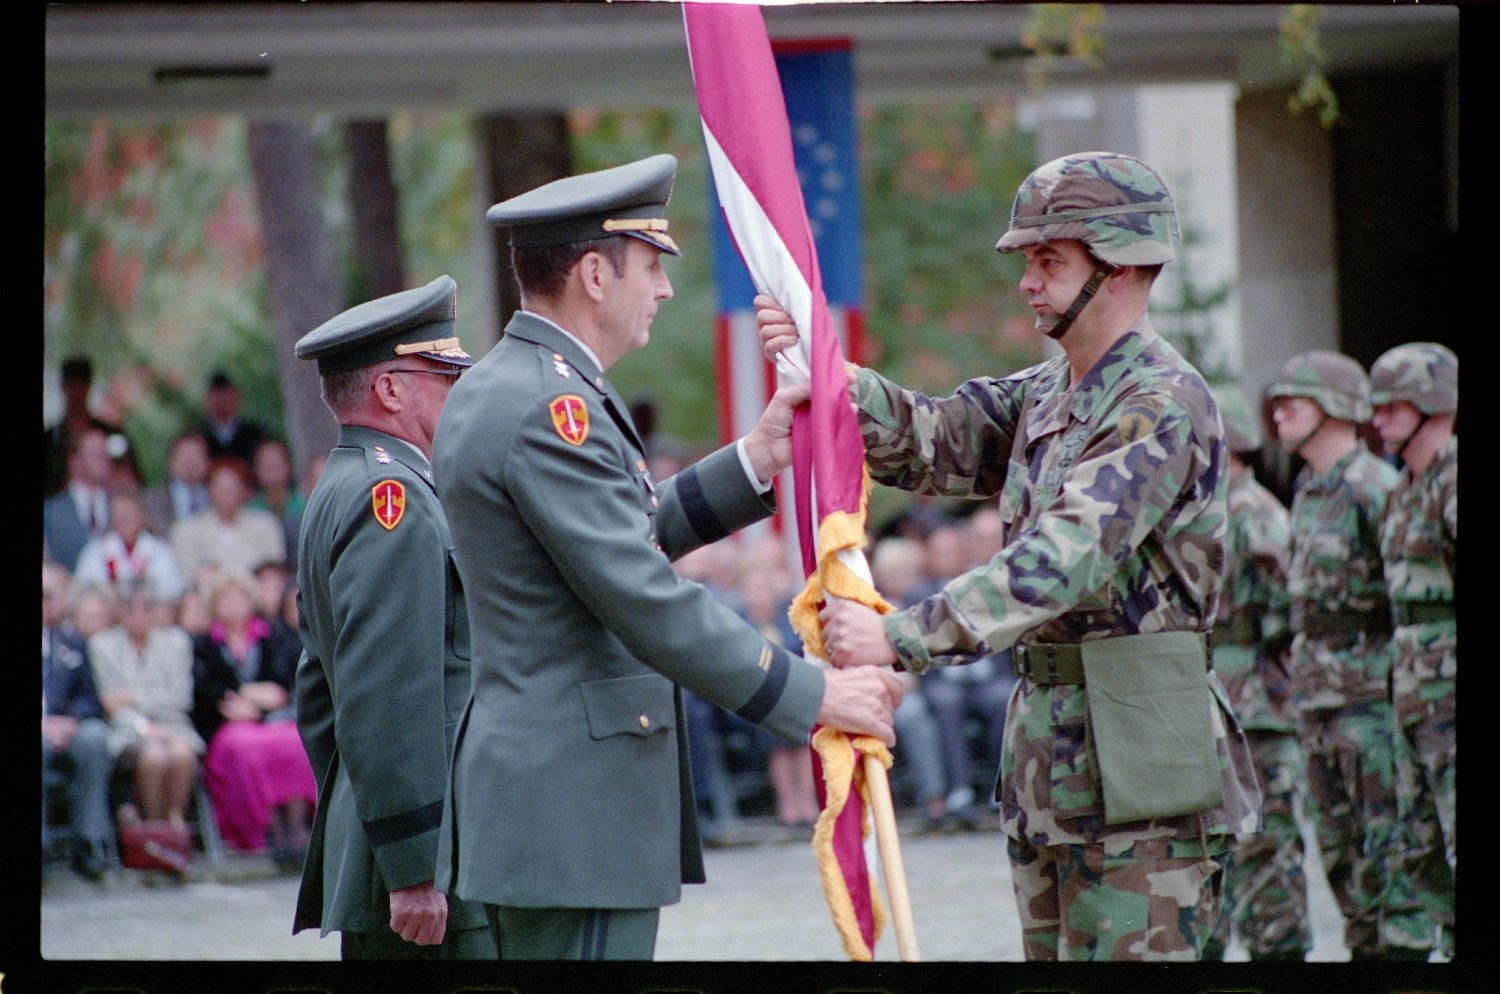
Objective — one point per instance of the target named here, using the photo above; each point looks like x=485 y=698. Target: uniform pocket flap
x=1149 y=712
x=629 y=705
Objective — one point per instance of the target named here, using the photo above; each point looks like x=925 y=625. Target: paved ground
x=762 y=903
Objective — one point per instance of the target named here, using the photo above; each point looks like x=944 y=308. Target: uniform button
x=645 y=722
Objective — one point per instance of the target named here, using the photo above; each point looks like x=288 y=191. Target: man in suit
x=75 y=736
x=571 y=813
x=385 y=671
x=184 y=492
x=227 y=433
x=80 y=511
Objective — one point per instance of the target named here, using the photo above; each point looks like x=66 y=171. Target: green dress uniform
x=382 y=681
x=570 y=785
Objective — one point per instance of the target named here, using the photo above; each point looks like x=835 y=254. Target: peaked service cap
x=622 y=200
x=411 y=322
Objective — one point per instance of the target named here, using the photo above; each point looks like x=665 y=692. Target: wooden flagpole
x=890 y=859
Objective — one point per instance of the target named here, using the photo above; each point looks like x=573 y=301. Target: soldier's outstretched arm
x=861 y=701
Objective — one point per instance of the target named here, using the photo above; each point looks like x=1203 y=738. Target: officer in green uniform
x=571 y=813
x=1124 y=776
x=385 y=669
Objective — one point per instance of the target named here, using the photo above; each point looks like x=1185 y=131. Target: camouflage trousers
x=1351 y=773
x=1135 y=901
x=1426 y=770
x=1265 y=887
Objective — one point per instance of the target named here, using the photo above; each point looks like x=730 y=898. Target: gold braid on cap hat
x=657 y=226
x=442 y=346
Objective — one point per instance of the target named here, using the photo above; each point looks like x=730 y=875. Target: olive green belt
x=1242 y=628
x=1322 y=624
x=1048 y=664
x=1412 y=613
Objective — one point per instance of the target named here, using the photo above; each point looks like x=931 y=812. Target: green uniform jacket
x=382 y=681
x=570 y=784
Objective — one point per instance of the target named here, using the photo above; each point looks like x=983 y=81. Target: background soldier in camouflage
x=1265 y=889
x=1109 y=464
x=1342 y=652
x=1414 y=389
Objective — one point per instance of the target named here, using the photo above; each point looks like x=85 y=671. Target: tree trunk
x=372 y=206
x=522 y=151
x=304 y=286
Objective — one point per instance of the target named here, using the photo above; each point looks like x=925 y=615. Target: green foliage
x=1062 y=31
x=942 y=304
x=677 y=369
x=432 y=167
x=150 y=249
x=152 y=255
x=1185 y=313
x=1302 y=49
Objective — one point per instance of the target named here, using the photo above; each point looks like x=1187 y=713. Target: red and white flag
x=749 y=145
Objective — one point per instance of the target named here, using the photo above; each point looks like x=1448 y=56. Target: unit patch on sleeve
x=1138 y=420
x=570 y=416
x=389 y=498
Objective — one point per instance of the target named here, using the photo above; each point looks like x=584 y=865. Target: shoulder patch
x=1138 y=419
x=389 y=500
x=570 y=416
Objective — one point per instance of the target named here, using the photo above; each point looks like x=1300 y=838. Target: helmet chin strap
x=1322 y=420
x=1401 y=449
x=1085 y=294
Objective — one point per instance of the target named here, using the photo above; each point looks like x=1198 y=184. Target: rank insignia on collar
x=570 y=416
x=381 y=456
x=389 y=499
x=562 y=368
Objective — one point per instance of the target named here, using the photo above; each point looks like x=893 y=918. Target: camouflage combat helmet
x=1335 y=382
x=1115 y=204
x=1241 y=425
x=1425 y=374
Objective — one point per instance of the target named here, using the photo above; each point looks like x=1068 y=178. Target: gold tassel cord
x=843 y=773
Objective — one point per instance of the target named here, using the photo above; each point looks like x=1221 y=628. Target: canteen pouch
x=1149 y=715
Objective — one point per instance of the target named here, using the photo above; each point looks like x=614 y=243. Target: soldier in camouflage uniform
x=1342 y=651
x=1110 y=467
x=1414 y=390
x=1265 y=889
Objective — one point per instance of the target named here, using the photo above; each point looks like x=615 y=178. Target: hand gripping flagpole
x=748 y=139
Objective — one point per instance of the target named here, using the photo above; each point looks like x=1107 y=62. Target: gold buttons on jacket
x=645 y=722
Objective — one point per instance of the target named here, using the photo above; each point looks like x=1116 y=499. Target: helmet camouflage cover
x=1241 y=424
x=1424 y=374
x=1332 y=380
x=1115 y=204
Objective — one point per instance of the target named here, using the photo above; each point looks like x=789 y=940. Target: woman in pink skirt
x=255 y=769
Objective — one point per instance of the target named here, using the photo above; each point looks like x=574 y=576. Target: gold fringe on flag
x=837 y=532
x=843 y=772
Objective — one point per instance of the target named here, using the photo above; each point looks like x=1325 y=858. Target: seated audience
x=75 y=736
x=229 y=535
x=256 y=769
x=276 y=490
x=128 y=554
x=183 y=494
x=144 y=672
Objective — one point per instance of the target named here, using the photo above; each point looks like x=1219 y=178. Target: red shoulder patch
x=389 y=499
x=570 y=416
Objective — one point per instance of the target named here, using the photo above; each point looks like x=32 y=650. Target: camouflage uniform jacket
x=1418 y=541
x=1112 y=495
x=1255 y=603
x=1336 y=567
